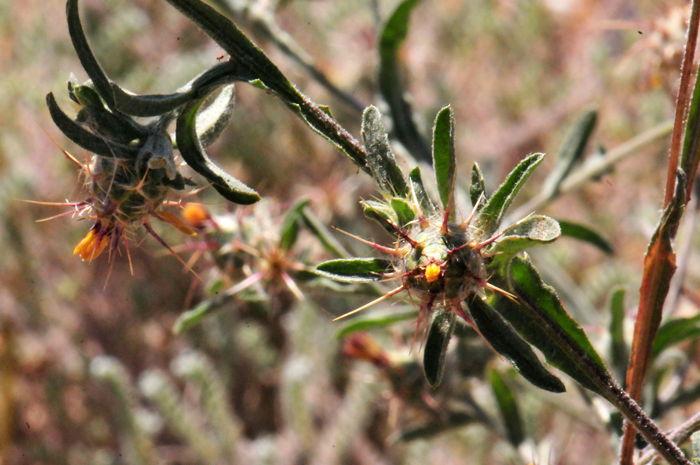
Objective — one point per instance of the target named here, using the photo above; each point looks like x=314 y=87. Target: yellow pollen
x=432 y=272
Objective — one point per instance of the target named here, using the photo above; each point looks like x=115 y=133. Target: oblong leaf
x=85 y=55
x=391 y=86
x=290 y=225
x=674 y=332
x=376 y=320
x=435 y=351
x=540 y=317
x=84 y=138
x=198 y=88
x=380 y=158
x=354 y=270
x=505 y=398
x=420 y=196
x=444 y=161
x=538 y=229
x=504 y=340
x=403 y=210
x=191 y=150
x=192 y=317
x=324 y=236
x=571 y=151
x=489 y=218
x=619 y=350
x=585 y=234
x=477 y=188
x=212 y=121
x=381 y=213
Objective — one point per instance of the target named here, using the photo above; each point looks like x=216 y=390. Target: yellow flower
x=92 y=245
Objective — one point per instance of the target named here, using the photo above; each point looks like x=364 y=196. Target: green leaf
x=504 y=340
x=691 y=155
x=390 y=84
x=508 y=407
x=85 y=55
x=376 y=320
x=531 y=231
x=439 y=335
x=585 y=234
x=454 y=420
x=415 y=181
x=490 y=217
x=674 y=332
x=198 y=88
x=381 y=213
x=540 y=317
x=444 y=155
x=571 y=152
x=192 y=317
x=380 y=158
x=290 y=226
x=193 y=154
x=354 y=270
x=403 y=210
x=212 y=121
x=477 y=189
x=324 y=236
x=619 y=351
x=86 y=139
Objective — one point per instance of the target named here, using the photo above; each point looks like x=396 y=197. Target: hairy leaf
x=540 y=317
x=489 y=218
x=531 y=231
x=585 y=234
x=376 y=320
x=505 y=398
x=418 y=191
x=191 y=150
x=504 y=340
x=380 y=158
x=392 y=89
x=444 y=155
x=571 y=152
x=434 y=353
x=354 y=270
x=477 y=189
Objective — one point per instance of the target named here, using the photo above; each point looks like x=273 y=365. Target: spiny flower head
x=440 y=260
x=133 y=171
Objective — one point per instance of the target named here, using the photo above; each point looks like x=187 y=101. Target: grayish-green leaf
x=477 y=189
x=324 y=236
x=290 y=226
x=354 y=270
x=585 y=234
x=434 y=353
x=531 y=231
x=392 y=89
x=619 y=352
x=540 y=317
x=571 y=152
x=85 y=55
x=85 y=138
x=418 y=191
x=198 y=88
x=382 y=214
x=444 y=156
x=674 y=332
x=191 y=317
x=191 y=150
x=489 y=218
x=505 y=398
x=376 y=320
x=403 y=210
x=380 y=158
x=503 y=338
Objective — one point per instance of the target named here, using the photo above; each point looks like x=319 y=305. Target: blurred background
x=90 y=370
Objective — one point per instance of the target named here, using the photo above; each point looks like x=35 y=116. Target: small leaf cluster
x=447 y=263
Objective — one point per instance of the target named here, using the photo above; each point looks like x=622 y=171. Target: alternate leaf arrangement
x=453 y=262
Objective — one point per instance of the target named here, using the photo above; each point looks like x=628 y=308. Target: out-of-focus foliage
x=92 y=373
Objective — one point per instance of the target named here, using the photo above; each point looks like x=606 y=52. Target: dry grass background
x=517 y=73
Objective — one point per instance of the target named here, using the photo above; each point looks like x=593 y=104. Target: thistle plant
x=133 y=173
x=454 y=261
